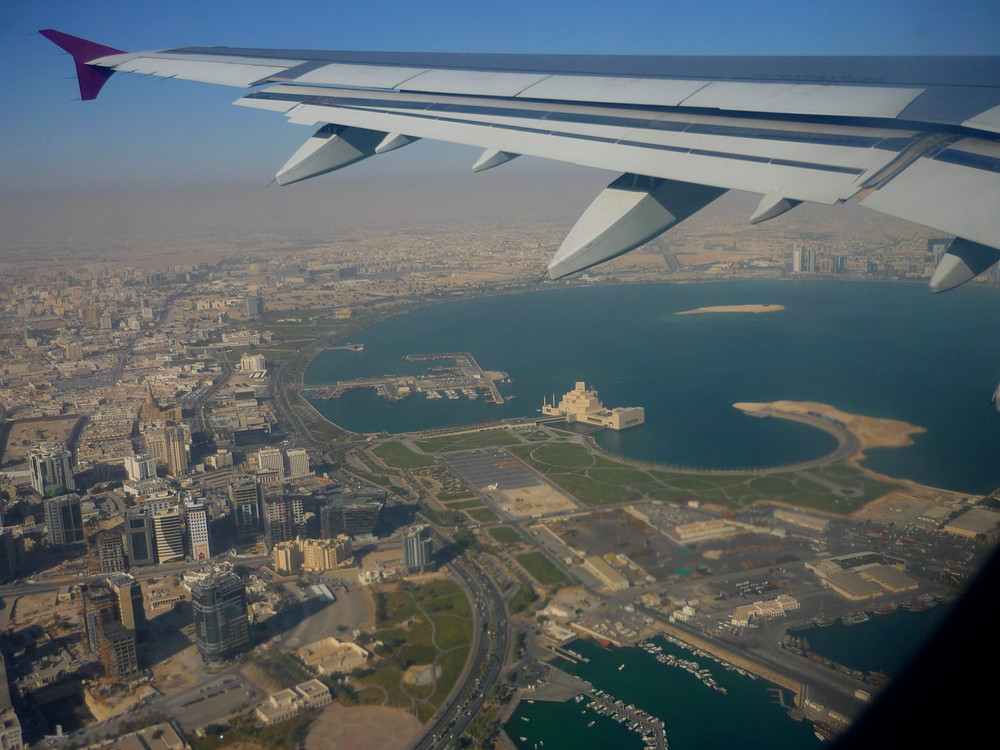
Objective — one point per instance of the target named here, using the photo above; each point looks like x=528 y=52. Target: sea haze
x=875 y=349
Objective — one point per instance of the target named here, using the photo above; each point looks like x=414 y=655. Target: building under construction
x=108 y=637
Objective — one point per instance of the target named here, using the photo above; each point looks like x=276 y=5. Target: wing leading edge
x=915 y=138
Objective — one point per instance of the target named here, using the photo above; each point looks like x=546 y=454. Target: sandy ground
x=527 y=501
x=904 y=506
x=871 y=432
x=26 y=435
x=734 y=309
x=362 y=728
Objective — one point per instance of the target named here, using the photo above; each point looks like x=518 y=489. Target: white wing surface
x=916 y=138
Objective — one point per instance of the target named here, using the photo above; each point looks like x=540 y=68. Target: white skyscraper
x=197 y=529
x=140 y=467
x=271 y=459
x=418 y=550
x=51 y=472
x=298 y=463
x=168 y=536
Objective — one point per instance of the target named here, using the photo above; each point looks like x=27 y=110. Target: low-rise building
x=690 y=532
x=313 y=555
x=605 y=573
x=776 y=607
x=806 y=521
x=286 y=703
x=977 y=522
x=332 y=656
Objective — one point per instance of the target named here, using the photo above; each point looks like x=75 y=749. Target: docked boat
x=856 y=619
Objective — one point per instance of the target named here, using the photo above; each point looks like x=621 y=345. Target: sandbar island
x=734 y=309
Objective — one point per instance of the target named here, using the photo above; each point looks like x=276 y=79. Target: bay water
x=888 y=350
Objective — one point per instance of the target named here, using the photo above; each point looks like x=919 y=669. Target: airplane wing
x=916 y=138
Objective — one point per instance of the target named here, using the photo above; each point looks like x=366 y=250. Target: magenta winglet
x=91 y=77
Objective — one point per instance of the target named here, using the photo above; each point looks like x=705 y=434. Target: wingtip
x=90 y=77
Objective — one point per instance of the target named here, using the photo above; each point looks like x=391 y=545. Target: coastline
x=870 y=432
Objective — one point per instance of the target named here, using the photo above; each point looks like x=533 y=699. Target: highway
x=490 y=644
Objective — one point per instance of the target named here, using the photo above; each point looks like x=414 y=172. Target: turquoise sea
x=877 y=349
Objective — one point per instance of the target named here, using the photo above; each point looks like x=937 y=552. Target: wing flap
x=361 y=76
x=656 y=92
x=988 y=120
x=956 y=190
x=805 y=99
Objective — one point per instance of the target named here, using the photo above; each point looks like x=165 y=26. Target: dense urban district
x=192 y=556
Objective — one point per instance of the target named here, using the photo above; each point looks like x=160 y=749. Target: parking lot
x=485 y=468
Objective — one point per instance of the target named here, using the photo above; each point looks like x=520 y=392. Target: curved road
x=490 y=644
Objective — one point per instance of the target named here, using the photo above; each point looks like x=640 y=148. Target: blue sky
x=145 y=135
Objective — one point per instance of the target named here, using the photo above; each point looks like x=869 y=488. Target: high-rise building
x=297 y=463
x=254 y=306
x=140 y=467
x=100 y=608
x=270 y=459
x=177 y=444
x=168 y=536
x=196 y=518
x=130 y=606
x=107 y=636
x=279 y=522
x=64 y=519
x=244 y=504
x=118 y=653
x=10 y=725
x=418 y=551
x=221 y=625
x=155 y=443
x=354 y=514
x=139 y=537
x=110 y=551
x=51 y=471
x=10 y=559
x=803 y=260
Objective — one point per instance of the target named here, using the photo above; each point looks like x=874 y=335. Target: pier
x=561 y=687
x=464 y=378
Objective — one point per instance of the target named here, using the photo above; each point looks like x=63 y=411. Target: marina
x=464 y=378
x=654 y=697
